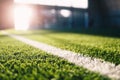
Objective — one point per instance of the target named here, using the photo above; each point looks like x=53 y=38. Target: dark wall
x=104 y=13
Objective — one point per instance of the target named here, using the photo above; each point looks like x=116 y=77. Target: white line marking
x=93 y=64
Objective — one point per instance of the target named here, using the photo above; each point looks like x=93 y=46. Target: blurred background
x=61 y=15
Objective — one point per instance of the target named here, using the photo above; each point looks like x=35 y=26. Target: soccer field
x=23 y=62
x=106 y=48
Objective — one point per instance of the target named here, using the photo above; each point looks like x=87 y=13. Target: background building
x=98 y=14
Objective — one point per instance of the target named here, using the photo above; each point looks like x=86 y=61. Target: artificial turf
x=107 y=48
x=19 y=61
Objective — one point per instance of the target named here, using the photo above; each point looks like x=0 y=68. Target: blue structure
x=104 y=13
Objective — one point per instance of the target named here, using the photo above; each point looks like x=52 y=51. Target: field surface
x=19 y=61
x=106 y=48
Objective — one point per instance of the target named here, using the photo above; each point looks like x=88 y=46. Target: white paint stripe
x=93 y=64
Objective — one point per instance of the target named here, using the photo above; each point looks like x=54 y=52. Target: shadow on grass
x=107 y=32
x=115 y=33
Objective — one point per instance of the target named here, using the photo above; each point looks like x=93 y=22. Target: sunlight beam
x=22 y=17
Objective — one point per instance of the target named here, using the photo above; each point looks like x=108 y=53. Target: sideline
x=92 y=64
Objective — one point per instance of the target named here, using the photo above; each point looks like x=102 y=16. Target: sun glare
x=22 y=17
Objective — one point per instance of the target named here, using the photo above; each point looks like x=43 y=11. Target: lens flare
x=22 y=17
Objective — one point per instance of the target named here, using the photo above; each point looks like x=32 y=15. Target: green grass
x=107 y=48
x=19 y=61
